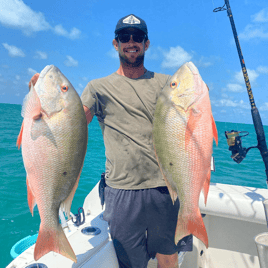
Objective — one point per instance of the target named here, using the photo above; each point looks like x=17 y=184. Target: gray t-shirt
x=125 y=108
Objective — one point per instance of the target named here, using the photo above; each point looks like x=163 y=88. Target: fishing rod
x=233 y=138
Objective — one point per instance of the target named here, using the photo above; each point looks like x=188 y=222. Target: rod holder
x=261 y=241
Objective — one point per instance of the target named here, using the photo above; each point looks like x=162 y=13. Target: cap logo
x=131 y=20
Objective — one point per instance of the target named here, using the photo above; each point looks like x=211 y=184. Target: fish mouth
x=45 y=71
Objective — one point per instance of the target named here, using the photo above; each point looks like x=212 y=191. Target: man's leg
x=125 y=214
x=162 y=216
x=167 y=261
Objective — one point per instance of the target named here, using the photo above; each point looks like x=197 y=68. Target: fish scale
x=183 y=131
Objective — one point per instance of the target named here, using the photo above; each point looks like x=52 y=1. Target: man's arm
x=88 y=114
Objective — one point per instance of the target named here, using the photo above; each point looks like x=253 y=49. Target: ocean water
x=16 y=221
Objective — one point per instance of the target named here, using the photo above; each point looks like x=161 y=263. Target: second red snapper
x=183 y=132
x=53 y=138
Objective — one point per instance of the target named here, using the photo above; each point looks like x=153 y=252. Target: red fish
x=183 y=132
x=53 y=139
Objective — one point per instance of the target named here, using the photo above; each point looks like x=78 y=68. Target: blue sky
x=76 y=36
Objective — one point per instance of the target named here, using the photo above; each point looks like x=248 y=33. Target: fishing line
x=229 y=108
x=214 y=9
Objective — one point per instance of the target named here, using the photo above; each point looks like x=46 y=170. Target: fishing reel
x=235 y=145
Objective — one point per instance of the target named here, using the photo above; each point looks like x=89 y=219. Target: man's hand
x=88 y=114
x=33 y=80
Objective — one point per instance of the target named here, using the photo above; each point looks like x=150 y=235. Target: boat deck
x=234 y=215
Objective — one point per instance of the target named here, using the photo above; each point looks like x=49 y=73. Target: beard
x=126 y=62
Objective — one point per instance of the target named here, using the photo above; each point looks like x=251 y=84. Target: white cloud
x=235 y=88
x=264 y=107
x=80 y=86
x=261 y=16
x=31 y=71
x=113 y=53
x=40 y=55
x=14 y=13
x=152 y=53
x=74 y=33
x=229 y=103
x=203 y=62
x=252 y=74
x=70 y=62
x=258 y=28
x=224 y=96
x=13 y=51
x=254 y=31
x=262 y=70
x=175 y=57
x=17 y=77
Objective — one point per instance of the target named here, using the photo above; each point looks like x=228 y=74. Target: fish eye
x=173 y=84
x=64 y=88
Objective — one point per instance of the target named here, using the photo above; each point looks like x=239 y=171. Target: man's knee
x=167 y=261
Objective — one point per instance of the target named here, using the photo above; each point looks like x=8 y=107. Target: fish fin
x=173 y=194
x=66 y=204
x=31 y=105
x=19 y=139
x=30 y=197
x=172 y=191
x=215 y=132
x=191 y=125
x=206 y=186
x=194 y=226
x=53 y=240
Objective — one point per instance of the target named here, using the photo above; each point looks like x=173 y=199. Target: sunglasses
x=125 y=37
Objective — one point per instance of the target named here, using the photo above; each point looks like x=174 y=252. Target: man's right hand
x=33 y=80
x=88 y=114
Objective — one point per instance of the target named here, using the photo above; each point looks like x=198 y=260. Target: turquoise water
x=16 y=221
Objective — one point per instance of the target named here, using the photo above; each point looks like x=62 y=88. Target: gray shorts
x=142 y=223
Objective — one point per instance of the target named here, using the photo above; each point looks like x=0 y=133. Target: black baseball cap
x=131 y=21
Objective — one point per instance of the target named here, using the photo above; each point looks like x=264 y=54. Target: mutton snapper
x=53 y=138
x=183 y=132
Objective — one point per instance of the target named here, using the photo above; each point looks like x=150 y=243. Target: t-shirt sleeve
x=89 y=98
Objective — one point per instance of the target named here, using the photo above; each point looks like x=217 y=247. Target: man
x=139 y=210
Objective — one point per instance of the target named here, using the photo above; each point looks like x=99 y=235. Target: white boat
x=234 y=215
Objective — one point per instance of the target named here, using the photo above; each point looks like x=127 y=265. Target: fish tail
x=194 y=226
x=53 y=240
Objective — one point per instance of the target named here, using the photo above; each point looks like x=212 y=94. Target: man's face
x=131 y=53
